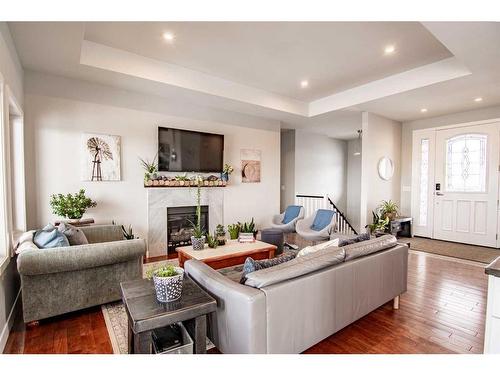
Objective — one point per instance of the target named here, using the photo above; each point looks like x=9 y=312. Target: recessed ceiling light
x=389 y=49
x=168 y=36
x=423 y=110
x=479 y=99
x=304 y=84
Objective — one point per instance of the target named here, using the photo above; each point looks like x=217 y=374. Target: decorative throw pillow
x=50 y=237
x=74 y=235
x=350 y=241
x=321 y=246
x=25 y=237
x=252 y=265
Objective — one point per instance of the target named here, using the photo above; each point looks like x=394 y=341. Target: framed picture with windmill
x=100 y=157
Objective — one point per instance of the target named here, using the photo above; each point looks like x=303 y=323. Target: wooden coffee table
x=232 y=253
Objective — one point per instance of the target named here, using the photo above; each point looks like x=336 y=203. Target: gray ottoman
x=275 y=237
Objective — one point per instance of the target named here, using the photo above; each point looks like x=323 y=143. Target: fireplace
x=179 y=227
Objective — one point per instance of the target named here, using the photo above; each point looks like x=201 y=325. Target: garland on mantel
x=164 y=181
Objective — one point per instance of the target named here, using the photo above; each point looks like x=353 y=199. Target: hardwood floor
x=443 y=311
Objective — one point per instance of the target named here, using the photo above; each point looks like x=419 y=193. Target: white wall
x=12 y=73
x=54 y=125
x=353 y=210
x=287 y=168
x=321 y=166
x=406 y=146
x=381 y=137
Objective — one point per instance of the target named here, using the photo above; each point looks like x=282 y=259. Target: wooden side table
x=145 y=313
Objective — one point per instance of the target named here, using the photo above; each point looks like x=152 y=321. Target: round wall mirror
x=385 y=168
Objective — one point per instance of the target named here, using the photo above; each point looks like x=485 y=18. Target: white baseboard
x=9 y=323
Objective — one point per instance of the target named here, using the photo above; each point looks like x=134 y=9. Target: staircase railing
x=312 y=203
x=343 y=225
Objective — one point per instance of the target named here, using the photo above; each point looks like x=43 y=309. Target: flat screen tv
x=189 y=151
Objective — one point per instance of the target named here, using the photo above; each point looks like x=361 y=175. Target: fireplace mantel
x=160 y=199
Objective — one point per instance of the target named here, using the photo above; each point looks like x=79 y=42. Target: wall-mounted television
x=189 y=151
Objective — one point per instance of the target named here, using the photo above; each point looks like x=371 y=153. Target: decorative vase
x=169 y=289
x=221 y=239
x=224 y=176
x=198 y=243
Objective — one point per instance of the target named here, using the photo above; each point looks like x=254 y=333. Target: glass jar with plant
x=150 y=168
x=389 y=209
x=234 y=231
x=226 y=171
x=71 y=206
x=198 y=237
x=221 y=234
x=212 y=240
x=167 y=281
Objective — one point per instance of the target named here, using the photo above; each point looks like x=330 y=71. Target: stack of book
x=246 y=237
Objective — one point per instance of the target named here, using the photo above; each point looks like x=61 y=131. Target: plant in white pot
x=71 y=206
x=198 y=238
x=168 y=282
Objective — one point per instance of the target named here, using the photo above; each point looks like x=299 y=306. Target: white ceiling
x=276 y=56
x=255 y=68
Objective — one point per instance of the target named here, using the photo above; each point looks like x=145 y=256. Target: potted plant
x=212 y=240
x=234 y=231
x=379 y=225
x=198 y=237
x=221 y=234
x=226 y=171
x=168 y=282
x=150 y=168
x=248 y=228
x=71 y=206
x=388 y=209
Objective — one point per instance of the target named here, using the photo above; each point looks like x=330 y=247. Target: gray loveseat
x=60 y=280
x=291 y=307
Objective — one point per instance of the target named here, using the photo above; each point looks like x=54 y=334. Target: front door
x=466 y=184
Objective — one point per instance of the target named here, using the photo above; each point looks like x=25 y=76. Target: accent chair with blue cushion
x=317 y=227
x=287 y=220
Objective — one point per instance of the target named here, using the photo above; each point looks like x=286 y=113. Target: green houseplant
x=234 y=231
x=167 y=281
x=379 y=224
x=150 y=168
x=198 y=237
x=226 y=171
x=71 y=206
x=212 y=240
x=221 y=234
x=388 y=209
x=248 y=227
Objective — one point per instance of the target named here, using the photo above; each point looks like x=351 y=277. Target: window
x=466 y=163
x=3 y=190
x=424 y=182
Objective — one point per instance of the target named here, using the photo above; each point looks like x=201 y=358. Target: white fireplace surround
x=159 y=199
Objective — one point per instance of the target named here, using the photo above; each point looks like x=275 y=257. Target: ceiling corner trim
x=108 y=58
x=422 y=76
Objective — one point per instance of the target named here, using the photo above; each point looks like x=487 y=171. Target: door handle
x=439 y=193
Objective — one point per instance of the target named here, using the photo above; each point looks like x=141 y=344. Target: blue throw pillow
x=322 y=220
x=252 y=265
x=50 y=237
x=350 y=241
x=291 y=213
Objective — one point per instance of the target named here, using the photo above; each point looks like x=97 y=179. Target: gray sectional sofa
x=60 y=280
x=291 y=307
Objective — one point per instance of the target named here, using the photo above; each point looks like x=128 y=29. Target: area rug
x=116 y=317
x=452 y=249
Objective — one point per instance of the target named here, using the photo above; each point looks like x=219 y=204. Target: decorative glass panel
x=424 y=181
x=466 y=163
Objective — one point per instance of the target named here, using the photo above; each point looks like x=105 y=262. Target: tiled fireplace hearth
x=159 y=199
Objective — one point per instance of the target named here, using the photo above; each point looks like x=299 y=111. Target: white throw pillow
x=320 y=246
x=25 y=246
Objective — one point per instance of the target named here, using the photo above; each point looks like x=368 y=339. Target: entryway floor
x=453 y=249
